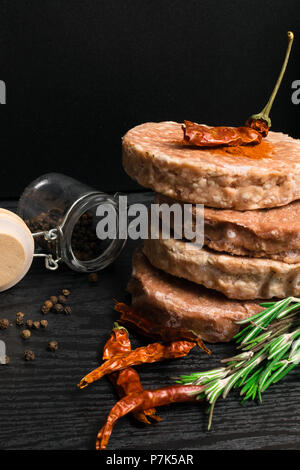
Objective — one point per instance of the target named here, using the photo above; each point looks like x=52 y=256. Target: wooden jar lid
x=16 y=249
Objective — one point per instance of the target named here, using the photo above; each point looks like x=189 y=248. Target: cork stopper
x=16 y=249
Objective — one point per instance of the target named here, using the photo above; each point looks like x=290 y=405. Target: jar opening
x=80 y=247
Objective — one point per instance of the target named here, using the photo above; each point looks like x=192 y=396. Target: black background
x=80 y=73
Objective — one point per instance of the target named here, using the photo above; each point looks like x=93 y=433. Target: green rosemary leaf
x=254 y=393
x=283 y=374
x=284 y=312
x=265 y=313
x=267 y=304
x=270 y=367
x=266 y=319
x=204 y=377
x=239 y=357
x=252 y=334
x=245 y=376
x=253 y=378
x=276 y=344
x=273 y=377
x=201 y=396
x=260 y=338
x=211 y=411
x=248 y=394
x=263 y=321
x=259 y=395
x=295 y=333
x=213 y=396
x=239 y=382
x=239 y=374
x=280 y=351
x=238 y=337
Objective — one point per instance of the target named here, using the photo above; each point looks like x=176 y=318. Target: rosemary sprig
x=270 y=349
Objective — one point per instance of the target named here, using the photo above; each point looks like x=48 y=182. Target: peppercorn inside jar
x=62 y=214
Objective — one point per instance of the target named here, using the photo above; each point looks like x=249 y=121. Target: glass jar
x=61 y=213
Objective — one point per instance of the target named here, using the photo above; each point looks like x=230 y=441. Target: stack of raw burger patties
x=251 y=230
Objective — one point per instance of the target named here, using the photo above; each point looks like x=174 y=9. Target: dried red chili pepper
x=256 y=127
x=205 y=136
x=143 y=400
x=126 y=381
x=117 y=344
x=154 y=352
x=130 y=316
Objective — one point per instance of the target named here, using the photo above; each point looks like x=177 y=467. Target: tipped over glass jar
x=62 y=215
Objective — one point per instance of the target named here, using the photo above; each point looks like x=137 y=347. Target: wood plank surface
x=41 y=408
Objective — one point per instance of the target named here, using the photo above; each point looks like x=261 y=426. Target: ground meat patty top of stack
x=154 y=155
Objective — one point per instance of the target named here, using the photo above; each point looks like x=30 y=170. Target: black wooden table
x=41 y=408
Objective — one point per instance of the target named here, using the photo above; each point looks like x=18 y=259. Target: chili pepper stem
x=264 y=114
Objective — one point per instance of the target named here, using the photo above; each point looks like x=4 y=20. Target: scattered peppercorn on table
x=41 y=407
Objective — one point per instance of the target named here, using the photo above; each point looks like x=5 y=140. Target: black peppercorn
x=62 y=299
x=29 y=323
x=54 y=299
x=44 y=323
x=29 y=355
x=45 y=309
x=93 y=277
x=48 y=304
x=66 y=292
x=53 y=346
x=68 y=310
x=20 y=319
x=25 y=334
x=4 y=323
x=58 y=308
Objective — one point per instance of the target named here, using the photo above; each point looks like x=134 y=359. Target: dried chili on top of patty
x=257 y=126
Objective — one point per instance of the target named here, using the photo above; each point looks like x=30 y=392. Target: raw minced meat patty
x=261 y=233
x=172 y=302
x=238 y=277
x=153 y=155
